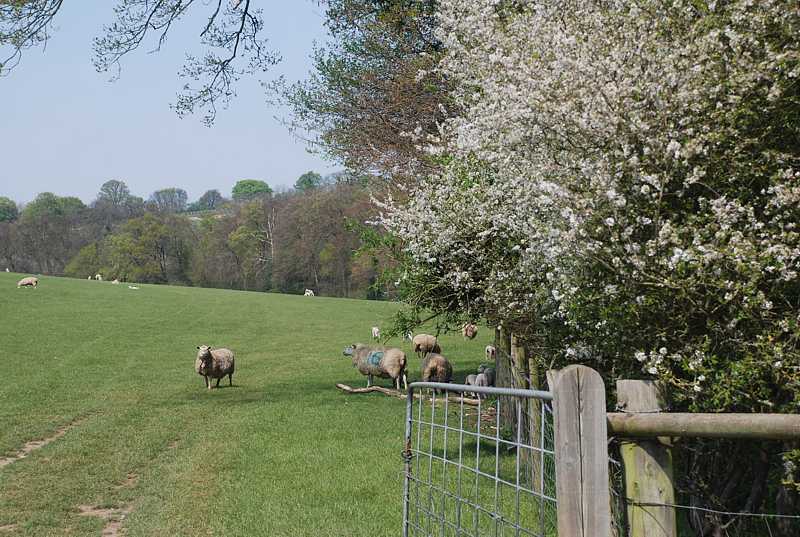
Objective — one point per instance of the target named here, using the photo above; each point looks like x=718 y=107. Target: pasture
x=107 y=373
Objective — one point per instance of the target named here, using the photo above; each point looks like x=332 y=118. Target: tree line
x=258 y=240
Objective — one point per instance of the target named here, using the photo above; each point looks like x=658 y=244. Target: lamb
x=115 y=281
x=98 y=277
x=214 y=364
x=7 y=270
x=30 y=281
x=481 y=380
x=408 y=336
x=425 y=343
x=436 y=368
x=308 y=292
x=89 y=278
x=488 y=372
x=380 y=362
x=469 y=331
x=490 y=352
x=376 y=333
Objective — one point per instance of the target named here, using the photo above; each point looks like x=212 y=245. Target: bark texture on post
x=648 y=467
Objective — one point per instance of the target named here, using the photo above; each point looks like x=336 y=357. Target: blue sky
x=65 y=128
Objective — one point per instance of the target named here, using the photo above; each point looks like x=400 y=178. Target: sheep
x=98 y=277
x=115 y=281
x=214 y=364
x=481 y=380
x=380 y=362
x=7 y=270
x=408 y=336
x=425 y=343
x=132 y=287
x=436 y=368
x=89 y=278
x=469 y=331
x=490 y=352
x=30 y=281
x=376 y=333
x=308 y=292
x=488 y=372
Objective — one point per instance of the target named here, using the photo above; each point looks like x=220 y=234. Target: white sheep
x=98 y=277
x=30 y=281
x=89 y=278
x=376 y=333
x=214 y=364
x=379 y=362
x=7 y=270
x=436 y=368
x=115 y=281
x=308 y=292
x=408 y=336
x=490 y=352
x=481 y=380
x=424 y=344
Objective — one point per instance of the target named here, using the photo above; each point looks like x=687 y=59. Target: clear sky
x=65 y=128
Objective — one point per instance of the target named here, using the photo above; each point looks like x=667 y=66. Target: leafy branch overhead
x=231 y=36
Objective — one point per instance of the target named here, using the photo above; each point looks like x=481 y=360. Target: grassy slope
x=282 y=453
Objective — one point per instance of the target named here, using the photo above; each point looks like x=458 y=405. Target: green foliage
x=308 y=181
x=248 y=189
x=209 y=201
x=48 y=204
x=87 y=262
x=8 y=210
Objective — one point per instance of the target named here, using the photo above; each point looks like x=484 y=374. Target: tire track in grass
x=35 y=445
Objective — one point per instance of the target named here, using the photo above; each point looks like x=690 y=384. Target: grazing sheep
x=376 y=333
x=469 y=331
x=436 y=368
x=308 y=292
x=490 y=352
x=379 y=362
x=425 y=343
x=30 y=281
x=98 y=277
x=88 y=277
x=115 y=281
x=488 y=372
x=214 y=364
x=132 y=287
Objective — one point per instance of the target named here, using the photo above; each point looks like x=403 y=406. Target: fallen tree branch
x=401 y=394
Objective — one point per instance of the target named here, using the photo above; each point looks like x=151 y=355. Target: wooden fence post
x=648 y=467
x=581 y=452
x=504 y=378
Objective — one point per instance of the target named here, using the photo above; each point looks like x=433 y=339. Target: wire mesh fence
x=478 y=462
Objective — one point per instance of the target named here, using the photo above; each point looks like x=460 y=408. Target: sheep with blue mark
x=377 y=361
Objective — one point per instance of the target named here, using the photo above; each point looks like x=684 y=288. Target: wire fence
x=479 y=461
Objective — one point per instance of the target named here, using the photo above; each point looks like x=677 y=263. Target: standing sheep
x=490 y=352
x=436 y=368
x=98 y=277
x=469 y=331
x=379 y=362
x=488 y=372
x=214 y=364
x=308 y=292
x=424 y=344
x=30 y=281
x=376 y=333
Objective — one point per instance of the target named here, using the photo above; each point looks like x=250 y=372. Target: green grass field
x=282 y=453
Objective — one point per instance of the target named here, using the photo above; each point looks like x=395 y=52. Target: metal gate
x=479 y=461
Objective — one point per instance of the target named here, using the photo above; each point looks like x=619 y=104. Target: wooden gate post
x=581 y=452
x=648 y=467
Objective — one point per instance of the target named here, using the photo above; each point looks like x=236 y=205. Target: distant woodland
x=256 y=239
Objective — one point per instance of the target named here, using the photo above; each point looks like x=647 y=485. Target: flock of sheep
x=378 y=361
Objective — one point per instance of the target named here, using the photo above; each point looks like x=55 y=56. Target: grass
x=282 y=453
